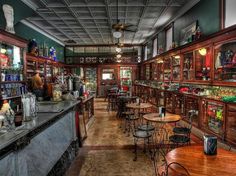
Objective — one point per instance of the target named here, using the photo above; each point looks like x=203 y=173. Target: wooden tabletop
x=199 y=164
x=155 y=117
x=139 y=106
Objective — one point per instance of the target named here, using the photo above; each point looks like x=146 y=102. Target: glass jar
x=57 y=93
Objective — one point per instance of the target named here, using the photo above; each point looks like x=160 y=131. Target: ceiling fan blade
x=129 y=25
x=129 y=30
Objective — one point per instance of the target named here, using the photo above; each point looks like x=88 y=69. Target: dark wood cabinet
x=214 y=117
x=231 y=123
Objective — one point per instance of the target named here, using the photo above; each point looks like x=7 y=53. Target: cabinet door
x=188 y=67
x=225 y=62
x=167 y=69
x=214 y=117
x=169 y=101
x=176 y=68
x=203 y=64
x=191 y=104
x=231 y=123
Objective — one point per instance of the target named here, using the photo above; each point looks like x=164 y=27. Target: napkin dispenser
x=210 y=145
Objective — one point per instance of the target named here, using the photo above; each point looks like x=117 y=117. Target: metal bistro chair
x=182 y=133
x=146 y=136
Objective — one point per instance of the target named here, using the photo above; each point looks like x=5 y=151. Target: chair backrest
x=176 y=169
x=192 y=114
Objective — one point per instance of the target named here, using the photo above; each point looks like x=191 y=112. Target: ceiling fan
x=120 y=27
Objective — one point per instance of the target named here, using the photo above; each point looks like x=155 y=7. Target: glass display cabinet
x=167 y=69
x=214 y=118
x=147 y=71
x=202 y=64
x=155 y=70
x=30 y=69
x=91 y=79
x=12 y=57
x=159 y=69
x=225 y=62
x=48 y=69
x=178 y=101
x=126 y=78
x=191 y=103
x=176 y=68
x=169 y=101
x=188 y=67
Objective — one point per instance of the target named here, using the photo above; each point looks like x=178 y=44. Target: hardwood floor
x=108 y=151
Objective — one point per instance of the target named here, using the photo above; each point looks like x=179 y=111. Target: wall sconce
x=202 y=51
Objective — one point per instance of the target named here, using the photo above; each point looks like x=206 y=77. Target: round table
x=155 y=117
x=161 y=132
x=197 y=163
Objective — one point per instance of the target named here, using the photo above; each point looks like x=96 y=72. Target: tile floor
x=108 y=151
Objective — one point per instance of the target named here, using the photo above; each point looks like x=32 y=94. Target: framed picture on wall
x=187 y=33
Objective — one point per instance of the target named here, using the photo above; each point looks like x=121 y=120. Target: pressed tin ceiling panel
x=89 y=22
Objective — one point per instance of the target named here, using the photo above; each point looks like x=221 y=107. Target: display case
x=176 y=68
x=225 y=62
x=202 y=64
x=214 y=117
x=147 y=71
x=191 y=103
x=12 y=60
x=126 y=78
x=169 y=101
x=159 y=69
x=91 y=79
x=48 y=72
x=178 y=103
x=30 y=69
x=167 y=69
x=188 y=67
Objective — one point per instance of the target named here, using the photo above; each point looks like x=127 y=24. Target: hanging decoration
x=9 y=16
x=52 y=53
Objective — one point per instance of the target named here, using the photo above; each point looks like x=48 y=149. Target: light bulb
x=118 y=56
x=118 y=49
x=117 y=34
x=203 y=51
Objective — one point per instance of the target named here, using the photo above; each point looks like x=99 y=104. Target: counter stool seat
x=146 y=127
x=142 y=134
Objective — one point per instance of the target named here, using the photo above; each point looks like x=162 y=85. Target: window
x=169 y=37
x=229 y=12
x=154 y=53
x=145 y=53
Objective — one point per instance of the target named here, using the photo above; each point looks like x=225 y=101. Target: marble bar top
x=12 y=140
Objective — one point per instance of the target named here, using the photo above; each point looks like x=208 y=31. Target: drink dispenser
x=210 y=145
x=29 y=106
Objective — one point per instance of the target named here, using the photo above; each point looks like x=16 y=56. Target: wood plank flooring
x=108 y=151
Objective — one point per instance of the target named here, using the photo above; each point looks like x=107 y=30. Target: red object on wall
x=208 y=59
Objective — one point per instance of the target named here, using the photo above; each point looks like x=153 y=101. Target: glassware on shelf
x=188 y=67
x=29 y=106
x=225 y=62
